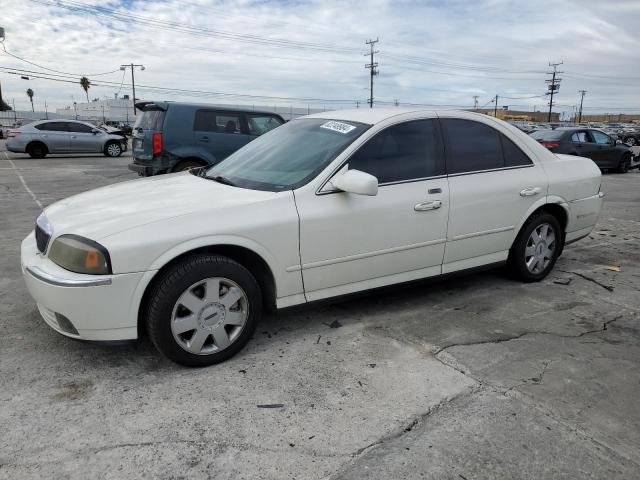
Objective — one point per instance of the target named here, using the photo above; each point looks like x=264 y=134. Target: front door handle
x=424 y=206
x=530 y=191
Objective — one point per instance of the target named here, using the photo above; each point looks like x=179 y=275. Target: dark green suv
x=173 y=137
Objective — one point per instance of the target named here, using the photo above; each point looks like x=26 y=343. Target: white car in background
x=326 y=205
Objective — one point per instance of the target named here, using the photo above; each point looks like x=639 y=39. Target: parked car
x=630 y=136
x=2 y=131
x=604 y=150
x=63 y=136
x=325 y=205
x=173 y=137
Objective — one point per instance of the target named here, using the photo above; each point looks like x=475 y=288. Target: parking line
x=24 y=184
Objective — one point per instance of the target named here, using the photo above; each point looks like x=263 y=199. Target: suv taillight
x=157 y=143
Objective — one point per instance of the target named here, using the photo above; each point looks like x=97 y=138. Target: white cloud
x=451 y=38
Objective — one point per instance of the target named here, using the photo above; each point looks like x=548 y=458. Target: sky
x=434 y=53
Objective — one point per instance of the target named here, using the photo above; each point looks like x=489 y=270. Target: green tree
x=85 y=84
x=30 y=95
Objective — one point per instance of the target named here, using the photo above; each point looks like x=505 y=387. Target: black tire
x=188 y=164
x=113 y=149
x=177 y=279
x=625 y=162
x=630 y=141
x=517 y=258
x=37 y=150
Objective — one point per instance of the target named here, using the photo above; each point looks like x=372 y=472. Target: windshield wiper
x=223 y=180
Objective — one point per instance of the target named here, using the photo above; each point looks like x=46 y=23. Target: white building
x=113 y=109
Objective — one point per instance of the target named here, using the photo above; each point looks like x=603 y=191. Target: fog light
x=65 y=324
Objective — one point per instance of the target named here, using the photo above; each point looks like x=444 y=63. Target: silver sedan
x=64 y=136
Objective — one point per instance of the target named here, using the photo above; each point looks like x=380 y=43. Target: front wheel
x=631 y=141
x=203 y=310
x=113 y=149
x=623 y=166
x=536 y=248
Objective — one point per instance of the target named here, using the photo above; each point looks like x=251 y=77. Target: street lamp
x=133 y=82
x=76 y=109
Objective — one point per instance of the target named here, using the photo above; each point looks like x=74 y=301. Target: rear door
x=149 y=121
x=492 y=185
x=220 y=133
x=55 y=135
x=82 y=139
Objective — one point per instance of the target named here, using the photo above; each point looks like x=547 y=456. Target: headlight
x=80 y=255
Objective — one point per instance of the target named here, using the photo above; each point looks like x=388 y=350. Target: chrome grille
x=42 y=239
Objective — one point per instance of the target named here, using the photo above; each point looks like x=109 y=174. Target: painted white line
x=24 y=184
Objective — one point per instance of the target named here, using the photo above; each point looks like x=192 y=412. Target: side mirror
x=355 y=181
x=95 y=132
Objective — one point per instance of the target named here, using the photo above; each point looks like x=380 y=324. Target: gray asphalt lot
x=471 y=377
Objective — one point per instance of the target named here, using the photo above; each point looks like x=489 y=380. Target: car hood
x=115 y=208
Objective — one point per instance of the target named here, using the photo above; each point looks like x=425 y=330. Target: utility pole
x=396 y=103
x=133 y=81
x=475 y=102
x=46 y=112
x=495 y=107
x=15 y=117
x=582 y=92
x=554 y=85
x=372 y=66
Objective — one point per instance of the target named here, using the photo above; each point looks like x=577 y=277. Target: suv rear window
x=150 y=120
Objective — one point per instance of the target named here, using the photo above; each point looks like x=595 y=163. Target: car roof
x=228 y=108
x=372 y=116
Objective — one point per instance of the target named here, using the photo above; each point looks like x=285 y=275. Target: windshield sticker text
x=339 y=127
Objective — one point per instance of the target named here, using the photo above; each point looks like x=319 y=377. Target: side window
x=600 y=138
x=579 y=137
x=513 y=156
x=79 y=128
x=53 y=126
x=407 y=151
x=472 y=146
x=259 y=124
x=217 y=122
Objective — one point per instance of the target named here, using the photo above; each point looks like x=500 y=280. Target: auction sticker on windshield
x=339 y=127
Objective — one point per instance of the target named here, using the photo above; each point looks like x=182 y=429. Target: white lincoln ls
x=325 y=205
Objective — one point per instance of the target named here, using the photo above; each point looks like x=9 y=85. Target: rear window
x=548 y=134
x=150 y=120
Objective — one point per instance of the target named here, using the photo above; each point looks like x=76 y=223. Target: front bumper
x=87 y=307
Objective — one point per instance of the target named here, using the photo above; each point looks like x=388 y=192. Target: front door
x=82 y=139
x=493 y=184
x=352 y=242
x=604 y=153
x=219 y=133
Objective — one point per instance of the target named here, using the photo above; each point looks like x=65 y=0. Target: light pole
x=133 y=81
x=76 y=109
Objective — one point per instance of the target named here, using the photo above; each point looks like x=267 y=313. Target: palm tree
x=30 y=95
x=85 y=84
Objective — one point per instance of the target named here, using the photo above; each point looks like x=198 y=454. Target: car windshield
x=288 y=156
x=548 y=134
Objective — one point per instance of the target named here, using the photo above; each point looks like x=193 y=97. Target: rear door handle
x=204 y=139
x=530 y=191
x=424 y=206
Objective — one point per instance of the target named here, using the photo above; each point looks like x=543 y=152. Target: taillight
x=12 y=134
x=157 y=143
x=550 y=144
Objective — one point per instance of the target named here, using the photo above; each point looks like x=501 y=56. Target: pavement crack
x=590 y=279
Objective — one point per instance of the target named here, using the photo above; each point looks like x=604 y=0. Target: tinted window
x=579 y=137
x=79 y=127
x=600 y=138
x=217 y=122
x=513 y=156
x=259 y=124
x=472 y=146
x=548 y=134
x=52 y=126
x=149 y=120
x=403 y=152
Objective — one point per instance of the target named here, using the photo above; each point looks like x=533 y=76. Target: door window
x=79 y=128
x=472 y=146
x=579 y=137
x=407 y=151
x=259 y=124
x=513 y=156
x=53 y=126
x=217 y=122
x=600 y=138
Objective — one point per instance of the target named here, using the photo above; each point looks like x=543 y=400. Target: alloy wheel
x=540 y=248
x=113 y=150
x=209 y=316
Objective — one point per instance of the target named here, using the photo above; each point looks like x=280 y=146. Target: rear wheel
x=113 y=149
x=186 y=165
x=536 y=248
x=203 y=310
x=37 y=150
x=630 y=141
x=625 y=162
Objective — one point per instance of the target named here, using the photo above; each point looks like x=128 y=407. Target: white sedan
x=325 y=205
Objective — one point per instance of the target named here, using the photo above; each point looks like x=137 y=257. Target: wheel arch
x=247 y=257
x=192 y=158
x=34 y=142
x=558 y=209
